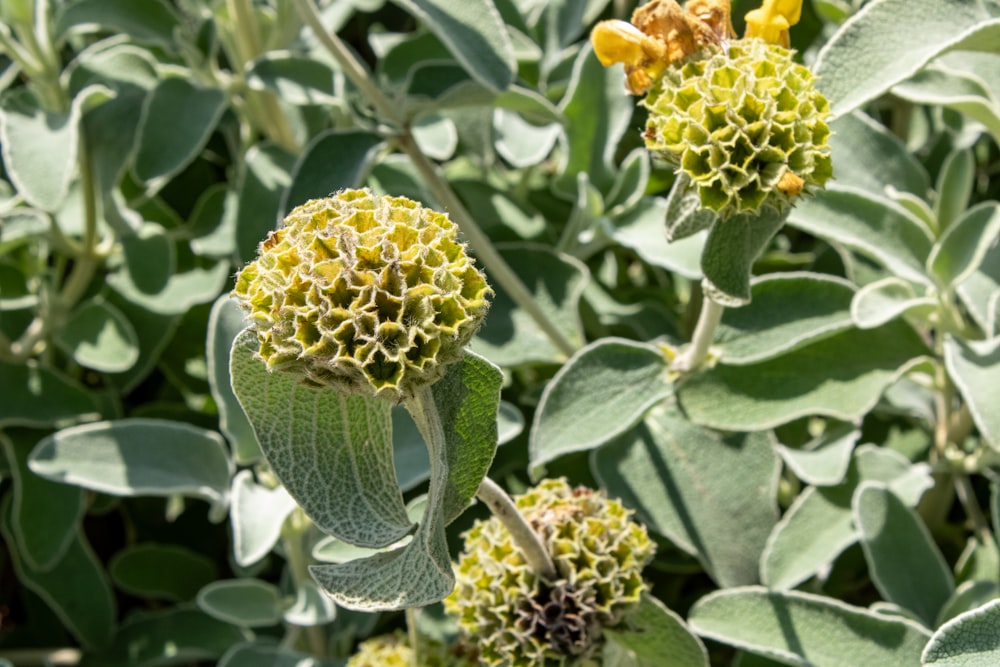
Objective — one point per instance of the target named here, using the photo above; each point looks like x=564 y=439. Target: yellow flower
x=772 y=21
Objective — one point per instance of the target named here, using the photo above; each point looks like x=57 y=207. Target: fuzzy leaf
x=256 y=515
x=177 y=120
x=922 y=583
x=641 y=229
x=960 y=90
x=974 y=366
x=779 y=320
x=161 y=571
x=806 y=630
x=653 y=631
x=248 y=603
x=730 y=251
x=598 y=394
x=874 y=227
x=868 y=156
x=150 y=21
x=333 y=453
x=475 y=35
x=884 y=300
x=138 y=457
x=42 y=397
x=75 y=587
x=225 y=322
x=890 y=40
x=963 y=247
x=98 y=336
x=969 y=640
x=711 y=494
x=842 y=376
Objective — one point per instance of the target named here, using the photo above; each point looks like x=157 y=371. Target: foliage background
x=843 y=452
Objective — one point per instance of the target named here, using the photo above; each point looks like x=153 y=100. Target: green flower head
x=512 y=616
x=747 y=126
x=394 y=651
x=364 y=293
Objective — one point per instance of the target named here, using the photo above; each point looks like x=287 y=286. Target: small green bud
x=748 y=126
x=364 y=293
x=515 y=618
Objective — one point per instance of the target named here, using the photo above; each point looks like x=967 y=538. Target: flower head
x=513 y=616
x=364 y=293
x=747 y=126
x=395 y=651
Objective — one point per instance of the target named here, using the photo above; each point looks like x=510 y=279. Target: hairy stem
x=695 y=354
x=293 y=533
x=496 y=267
x=524 y=536
x=411 y=634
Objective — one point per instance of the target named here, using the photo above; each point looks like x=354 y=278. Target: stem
x=524 y=536
x=293 y=533
x=966 y=496
x=43 y=656
x=480 y=242
x=704 y=331
x=411 y=633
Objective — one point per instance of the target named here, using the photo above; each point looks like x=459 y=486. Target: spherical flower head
x=748 y=126
x=364 y=293
x=515 y=618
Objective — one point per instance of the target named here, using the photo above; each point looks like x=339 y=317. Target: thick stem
x=496 y=267
x=966 y=496
x=524 y=536
x=695 y=354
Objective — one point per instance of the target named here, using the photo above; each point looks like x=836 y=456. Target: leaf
x=45 y=516
x=653 y=631
x=641 y=229
x=161 y=571
x=225 y=322
x=824 y=461
x=955 y=183
x=511 y=337
x=266 y=176
x=973 y=367
x=467 y=399
x=842 y=376
x=181 y=291
x=256 y=514
x=591 y=138
x=177 y=120
x=779 y=320
x=40 y=147
x=333 y=160
x=151 y=21
x=980 y=292
x=967 y=596
x=266 y=655
x=43 y=397
x=963 y=91
x=809 y=630
x=177 y=635
x=248 y=603
x=971 y=639
x=922 y=583
x=521 y=143
x=884 y=300
x=874 y=227
x=820 y=525
x=74 y=588
x=730 y=251
x=890 y=40
x=711 y=494
x=598 y=394
x=474 y=34
x=435 y=136
x=99 y=337
x=311 y=607
x=333 y=453
x=868 y=156
x=153 y=332
x=963 y=247
x=293 y=79
x=138 y=457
